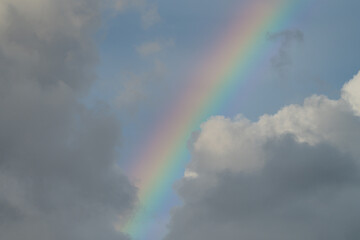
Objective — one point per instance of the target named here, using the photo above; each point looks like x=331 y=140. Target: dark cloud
x=58 y=172
x=302 y=191
x=283 y=57
x=8 y=213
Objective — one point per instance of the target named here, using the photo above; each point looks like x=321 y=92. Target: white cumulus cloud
x=291 y=175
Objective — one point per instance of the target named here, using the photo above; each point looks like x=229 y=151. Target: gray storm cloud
x=58 y=174
x=288 y=176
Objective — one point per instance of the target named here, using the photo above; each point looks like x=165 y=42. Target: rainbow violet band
x=228 y=65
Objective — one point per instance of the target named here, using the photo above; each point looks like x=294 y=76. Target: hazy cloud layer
x=148 y=11
x=134 y=88
x=58 y=175
x=292 y=175
x=150 y=48
x=286 y=39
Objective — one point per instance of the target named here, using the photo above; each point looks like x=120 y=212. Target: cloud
x=350 y=93
x=291 y=175
x=132 y=92
x=150 y=16
x=58 y=172
x=283 y=58
x=149 y=12
x=134 y=88
x=150 y=48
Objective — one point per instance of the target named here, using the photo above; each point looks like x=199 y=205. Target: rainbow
x=232 y=60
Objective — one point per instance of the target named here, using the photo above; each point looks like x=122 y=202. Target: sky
x=156 y=120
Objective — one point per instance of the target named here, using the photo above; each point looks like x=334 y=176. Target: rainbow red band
x=234 y=58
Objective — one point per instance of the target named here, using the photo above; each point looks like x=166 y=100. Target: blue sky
x=319 y=63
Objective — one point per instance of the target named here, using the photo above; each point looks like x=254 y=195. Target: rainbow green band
x=234 y=58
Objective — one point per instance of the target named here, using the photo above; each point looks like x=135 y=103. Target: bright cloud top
x=291 y=175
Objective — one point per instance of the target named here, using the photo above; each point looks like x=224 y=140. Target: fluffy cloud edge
x=289 y=175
